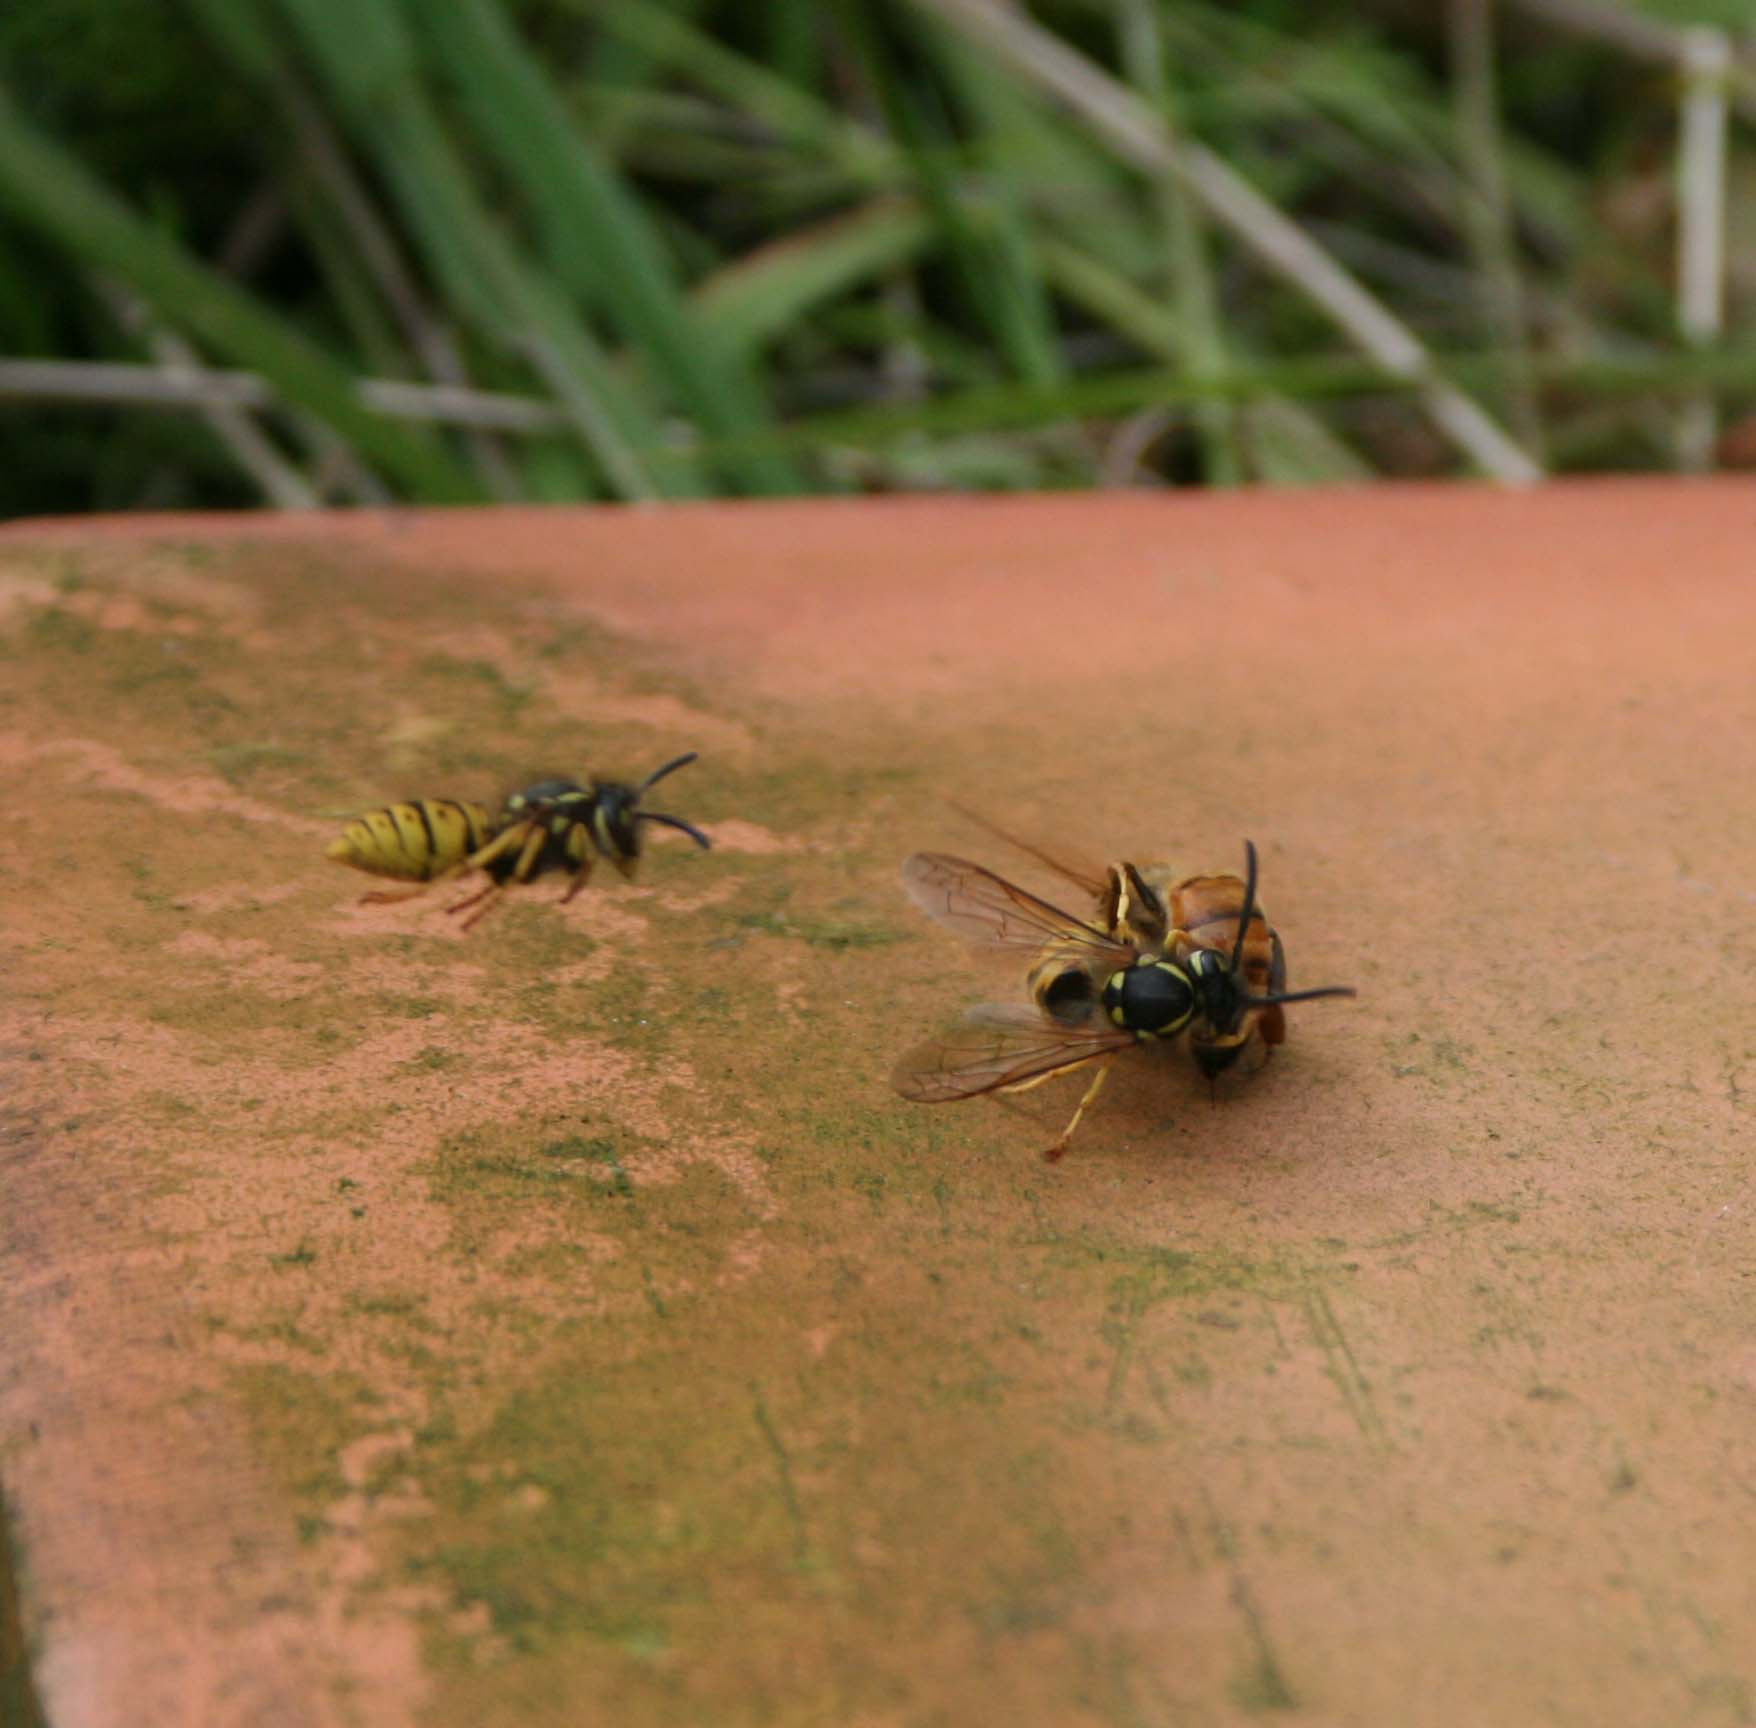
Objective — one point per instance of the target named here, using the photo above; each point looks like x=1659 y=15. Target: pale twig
x=1114 y=113
x=128 y=385
x=1643 y=38
x=430 y=337
x=1188 y=271
x=248 y=445
x=1701 y=200
x=1487 y=204
x=1131 y=443
x=1620 y=27
x=336 y=470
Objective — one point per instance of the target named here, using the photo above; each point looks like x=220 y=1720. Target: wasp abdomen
x=414 y=841
x=1062 y=986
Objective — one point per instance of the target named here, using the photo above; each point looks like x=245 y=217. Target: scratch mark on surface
x=1124 y=1315
x=1344 y=1370
x=784 y=1471
x=1263 y=1685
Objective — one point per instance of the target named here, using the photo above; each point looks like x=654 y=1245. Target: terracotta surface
x=565 y=1324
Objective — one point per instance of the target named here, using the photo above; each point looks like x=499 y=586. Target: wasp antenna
x=688 y=828
x=1249 y=904
x=658 y=774
x=1300 y=996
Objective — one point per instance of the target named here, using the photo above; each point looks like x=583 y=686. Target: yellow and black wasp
x=1191 y=955
x=551 y=825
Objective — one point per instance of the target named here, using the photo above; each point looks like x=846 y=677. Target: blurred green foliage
x=805 y=246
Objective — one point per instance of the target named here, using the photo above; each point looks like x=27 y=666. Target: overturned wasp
x=551 y=825
x=1158 y=909
x=1163 y=957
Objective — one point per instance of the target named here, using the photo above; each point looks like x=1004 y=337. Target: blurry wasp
x=551 y=825
x=1163 y=957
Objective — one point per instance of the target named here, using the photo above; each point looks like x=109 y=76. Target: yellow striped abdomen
x=416 y=841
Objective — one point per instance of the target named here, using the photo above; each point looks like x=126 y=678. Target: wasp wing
x=1090 y=878
x=993 y=913
x=997 y=1047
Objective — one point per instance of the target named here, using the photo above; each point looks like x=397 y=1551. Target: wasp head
x=620 y=814
x=1222 y=996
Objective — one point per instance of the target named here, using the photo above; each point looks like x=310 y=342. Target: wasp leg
x=527 y=859
x=389 y=896
x=521 y=872
x=1054 y=1153
x=498 y=847
x=490 y=891
x=480 y=859
x=581 y=876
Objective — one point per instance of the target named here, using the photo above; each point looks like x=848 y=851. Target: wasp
x=551 y=825
x=1162 y=957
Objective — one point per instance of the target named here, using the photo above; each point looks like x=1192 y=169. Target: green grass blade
x=761 y=296
x=792 y=113
x=1110 y=395
x=1004 y=129
x=977 y=236
x=45 y=187
x=1187 y=271
x=594 y=234
x=372 y=71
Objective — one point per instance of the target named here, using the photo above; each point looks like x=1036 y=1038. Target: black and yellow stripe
x=415 y=841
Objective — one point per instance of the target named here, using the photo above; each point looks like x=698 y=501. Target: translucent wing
x=985 y=909
x=997 y=1047
x=1091 y=879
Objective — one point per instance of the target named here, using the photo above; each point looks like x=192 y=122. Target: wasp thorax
x=1154 y=999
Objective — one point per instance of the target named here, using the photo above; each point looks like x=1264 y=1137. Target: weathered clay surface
x=564 y=1324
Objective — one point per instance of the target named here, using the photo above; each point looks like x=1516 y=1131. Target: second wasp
x=554 y=824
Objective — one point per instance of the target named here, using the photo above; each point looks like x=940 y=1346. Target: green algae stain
x=480 y=682
x=239 y=764
x=54 y=630
x=564 y=1518
x=302 y=1422
x=597 y=1150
